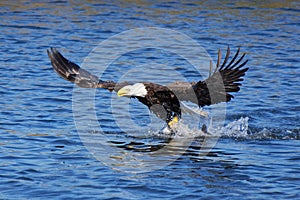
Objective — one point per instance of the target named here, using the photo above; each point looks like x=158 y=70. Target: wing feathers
x=201 y=92
x=70 y=71
x=226 y=58
x=73 y=73
x=211 y=91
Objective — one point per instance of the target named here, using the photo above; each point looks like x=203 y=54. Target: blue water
x=44 y=155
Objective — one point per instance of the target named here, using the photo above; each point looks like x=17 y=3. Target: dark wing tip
x=51 y=51
x=64 y=68
x=231 y=70
x=71 y=71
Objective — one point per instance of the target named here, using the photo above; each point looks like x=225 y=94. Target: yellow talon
x=174 y=120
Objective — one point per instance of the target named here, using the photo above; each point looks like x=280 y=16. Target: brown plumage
x=164 y=101
x=222 y=81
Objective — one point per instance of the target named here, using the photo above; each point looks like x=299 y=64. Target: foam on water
x=237 y=130
x=198 y=123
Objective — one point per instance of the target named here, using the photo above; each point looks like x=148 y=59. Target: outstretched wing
x=73 y=73
x=222 y=81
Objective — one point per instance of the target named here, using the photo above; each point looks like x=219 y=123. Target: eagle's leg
x=172 y=121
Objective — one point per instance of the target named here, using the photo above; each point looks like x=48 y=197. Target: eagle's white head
x=138 y=90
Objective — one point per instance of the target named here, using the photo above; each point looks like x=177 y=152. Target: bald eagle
x=164 y=101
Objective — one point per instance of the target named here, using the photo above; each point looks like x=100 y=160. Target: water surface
x=42 y=154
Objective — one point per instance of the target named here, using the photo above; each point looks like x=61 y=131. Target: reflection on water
x=43 y=156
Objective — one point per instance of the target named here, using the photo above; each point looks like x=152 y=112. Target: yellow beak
x=122 y=92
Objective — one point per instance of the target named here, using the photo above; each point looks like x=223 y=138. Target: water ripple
x=42 y=154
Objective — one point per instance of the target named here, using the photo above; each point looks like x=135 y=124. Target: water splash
x=238 y=130
x=235 y=129
x=182 y=131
